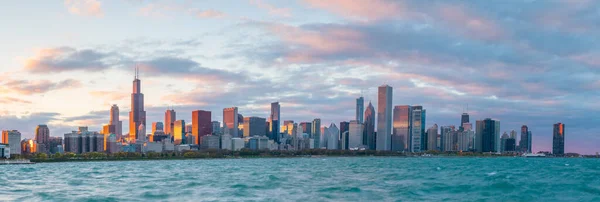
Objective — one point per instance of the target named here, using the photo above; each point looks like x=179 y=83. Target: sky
x=523 y=62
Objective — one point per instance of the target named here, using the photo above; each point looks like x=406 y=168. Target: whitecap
x=567 y=164
x=438 y=168
x=492 y=173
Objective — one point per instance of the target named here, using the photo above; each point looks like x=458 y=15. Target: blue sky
x=64 y=63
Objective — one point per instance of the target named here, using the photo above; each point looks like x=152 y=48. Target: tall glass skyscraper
x=488 y=135
x=275 y=120
x=137 y=115
x=384 y=118
x=170 y=117
x=316 y=129
x=369 y=138
x=402 y=130
x=525 y=143
x=558 y=139
x=201 y=124
x=417 y=132
x=360 y=109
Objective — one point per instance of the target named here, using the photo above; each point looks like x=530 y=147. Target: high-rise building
x=525 y=143
x=558 y=139
x=333 y=134
x=464 y=118
x=275 y=122
x=231 y=121
x=424 y=138
x=137 y=115
x=316 y=129
x=42 y=138
x=355 y=135
x=360 y=109
x=384 y=118
x=307 y=128
x=114 y=121
x=369 y=138
x=254 y=126
x=344 y=129
x=402 y=126
x=417 y=129
x=201 y=124
x=179 y=132
x=157 y=126
x=447 y=134
x=83 y=141
x=216 y=128
x=488 y=135
x=503 y=141
x=432 y=134
x=170 y=118
x=13 y=139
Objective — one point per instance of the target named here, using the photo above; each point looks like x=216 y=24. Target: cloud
x=271 y=9
x=167 y=10
x=366 y=10
x=26 y=87
x=84 y=7
x=68 y=59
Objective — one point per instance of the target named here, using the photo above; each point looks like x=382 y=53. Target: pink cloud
x=165 y=10
x=273 y=10
x=367 y=10
x=84 y=7
x=467 y=22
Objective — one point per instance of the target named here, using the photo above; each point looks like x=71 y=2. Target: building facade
x=13 y=139
x=201 y=124
x=275 y=122
x=170 y=118
x=558 y=139
x=360 y=109
x=230 y=121
x=402 y=125
x=369 y=137
x=384 y=118
x=254 y=126
x=137 y=115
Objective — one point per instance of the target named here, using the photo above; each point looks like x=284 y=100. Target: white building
x=183 y=147
x=465 y=140
x=4 y=151
x=416 y=132
x=13 y=139
x=153 y=147
x=226 y=142
x=168 y=146
x=333 y=137
x=237 y=144
x=355 y=137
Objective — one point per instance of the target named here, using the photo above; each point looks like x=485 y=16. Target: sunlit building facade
x=170 y=118
x=558 y=139
x=201 y=124
x=384 y=118
x=137 y=115
x=401 y=128
x=13 y=139
x=230 y=121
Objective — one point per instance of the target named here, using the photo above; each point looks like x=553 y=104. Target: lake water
x=307 y=179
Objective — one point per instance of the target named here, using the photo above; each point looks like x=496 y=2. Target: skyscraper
x=216 y=128
x=360 y=108
x=137 y=115
x=464 y=118
x=254 y=126
x=401 y=132
x=384 y=118
x=316 y=129
x=369 y=137
x=42 y=138
x=525 y=143
x=417 y=132
x=558 y=139
x=275 y=122
x=114 y=120
x=157 y=126
x=201 y=124
x=230 y=121
x=307 y=128
x=432 y=137
x=13 y=139
x=355 y=135
x=179 y=132
x=488 y=135
x=170 y=117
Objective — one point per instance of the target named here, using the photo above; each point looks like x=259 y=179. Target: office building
x=170 y=118
x=355 y=135
x=360 y=109
x=401 y=128
x=115 y=123
x=237 y=144
x=226 y=142
x=432 y=134
x=42 y=138
x=137 y=115
x=384 y=118
x=416 y=129
x=316 y=130
x=216 y=128
x=307 y=128
x=179 y=132
x=210 y=142
x=231 y=121
x=13 y=139
x=464 y=118
x=488 y=135
x=333 y=137
x=525 y=143
x=503 y=141
x=369 y=137
x=157 y=127
x=4 y=151
x=465 y=140
x=558 y=139
x=254 y=126
x=83 y=141
x=55 y=142
x=275 y=122
x=201 y=124
x=344 y=132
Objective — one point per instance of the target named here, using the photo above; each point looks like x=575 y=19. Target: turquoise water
x=307 y=179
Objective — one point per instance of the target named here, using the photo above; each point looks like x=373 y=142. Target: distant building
x=137 y=115
x=332 y=132
x=84 y=141
x=170 y=118
x=355 y=135
x=216 y=128
x=465 y=140
x=226 y=142
x=157 y=126
x=4 y=151
x=116 y=124
x=231 y=121
x=432 y=134
x=28 y=146
x=258 y=143
x=401 y=128
x=488 y=135
x=237 y=144
x=316 y=129
x=558 y=139
x=360 y=109
x=190 y=138
x=525 y=143
x=464 y=118
x=384 y=118
x=344 y=132
x=307 y=128
x=416 y=137
x=369 y=137
x=55 y=142
x=254 y=126
x=42 y=138
x=275 y=122
x=179 y=132
x=210 y=142
x=13 y=139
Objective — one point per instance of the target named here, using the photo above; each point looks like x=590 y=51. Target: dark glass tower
x=275 y=120
x=558 y=139
x=137 y=115
x=369 y=134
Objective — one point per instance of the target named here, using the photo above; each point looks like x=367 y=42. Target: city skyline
x=534 y=68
